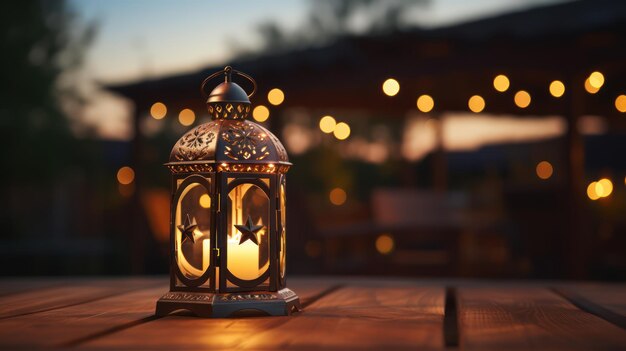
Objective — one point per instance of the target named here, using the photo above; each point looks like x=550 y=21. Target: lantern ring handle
x=227 y=71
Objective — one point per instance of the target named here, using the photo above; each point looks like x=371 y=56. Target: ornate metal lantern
x=228 y=232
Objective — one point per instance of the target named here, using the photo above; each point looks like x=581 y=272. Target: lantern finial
x=228 y=100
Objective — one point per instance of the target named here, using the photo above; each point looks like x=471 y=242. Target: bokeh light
x=384 y=244
x=391 y=87
x=522 y=99
x=544 y=170
x=596 y=79
x=599 y=189
x=604 y=187
x=342 y=131
x=205 y=201
x=557 y=88
x=501 y=83
x=186 y=117
x=125 y=175
x=590 y=88
x=276 y=96
x=476 y=103
x=425 y=103
x=591 y=191
x=338 y=196
x=620 y=103
x=158 y=110
x=327 y=124
x=261 y=113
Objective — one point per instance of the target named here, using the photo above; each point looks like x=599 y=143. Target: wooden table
x=358 y=313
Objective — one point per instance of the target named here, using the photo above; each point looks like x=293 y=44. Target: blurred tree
x=331 y=19
x=42 y=46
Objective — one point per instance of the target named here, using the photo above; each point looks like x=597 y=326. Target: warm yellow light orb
x=261 y=113
x=327 y=124
x=425 y=103
x=476 y=103
x=522 y=99
x=125 y=175
x=544 y=170
x=205 y=201
x=557 y=88
x=501 y=83
x=391 y=87
x=384 y=244
x=620 y=103
x=186 y=117
x=607 y=187
x=342 y=131
x=276 y=96
x=590 y=88
x=596 y=79
x=338 y=196
x=591 y=191
x=158 y=110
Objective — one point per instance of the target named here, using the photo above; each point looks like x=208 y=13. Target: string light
x=501 y=83
x=522 y=99
x=391 y=87
x=125 y=175
x=158 y=110
x=425 y=103
x=557 y=88
x=341 y=131
x=476 y=103
x=544 y=170
x=260 y=113
x=276 y=96
x=596 y=79
x=327 y=124
x=186 y=117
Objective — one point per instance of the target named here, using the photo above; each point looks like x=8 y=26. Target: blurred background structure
x=429 y=137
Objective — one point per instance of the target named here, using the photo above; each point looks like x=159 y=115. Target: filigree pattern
x=195 y=145
x=227 y=110
x=245 y=142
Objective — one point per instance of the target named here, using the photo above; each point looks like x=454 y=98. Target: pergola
x=565 y=42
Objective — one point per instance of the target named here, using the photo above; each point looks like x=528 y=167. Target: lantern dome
x=229 y=141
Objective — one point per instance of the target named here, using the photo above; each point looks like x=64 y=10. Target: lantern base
x=275 y=303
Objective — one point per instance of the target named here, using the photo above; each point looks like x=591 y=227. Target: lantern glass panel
x=193 y=208
x=283 y=232
x=246 y=259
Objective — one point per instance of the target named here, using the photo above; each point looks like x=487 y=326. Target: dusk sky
x=151 y=38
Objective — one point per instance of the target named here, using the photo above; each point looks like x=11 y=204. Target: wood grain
x=188 y=332
x=61 y=326
x=355 y=317
x=524 y=318
x=363 y=318
x=609 y=296
x=69 y=293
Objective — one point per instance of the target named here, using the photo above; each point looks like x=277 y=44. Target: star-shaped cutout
x=248 y=231
x=187 y=229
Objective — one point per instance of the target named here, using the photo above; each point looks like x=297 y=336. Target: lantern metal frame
x=219 y=167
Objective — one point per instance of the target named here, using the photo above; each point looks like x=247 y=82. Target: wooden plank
x=607 y=301
x=357 y=317
x=609 y=296
x=12 y=286
x=523 y=318
x=58 y=327
x=70 y=293
x=364 y=317
x=179 y=332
